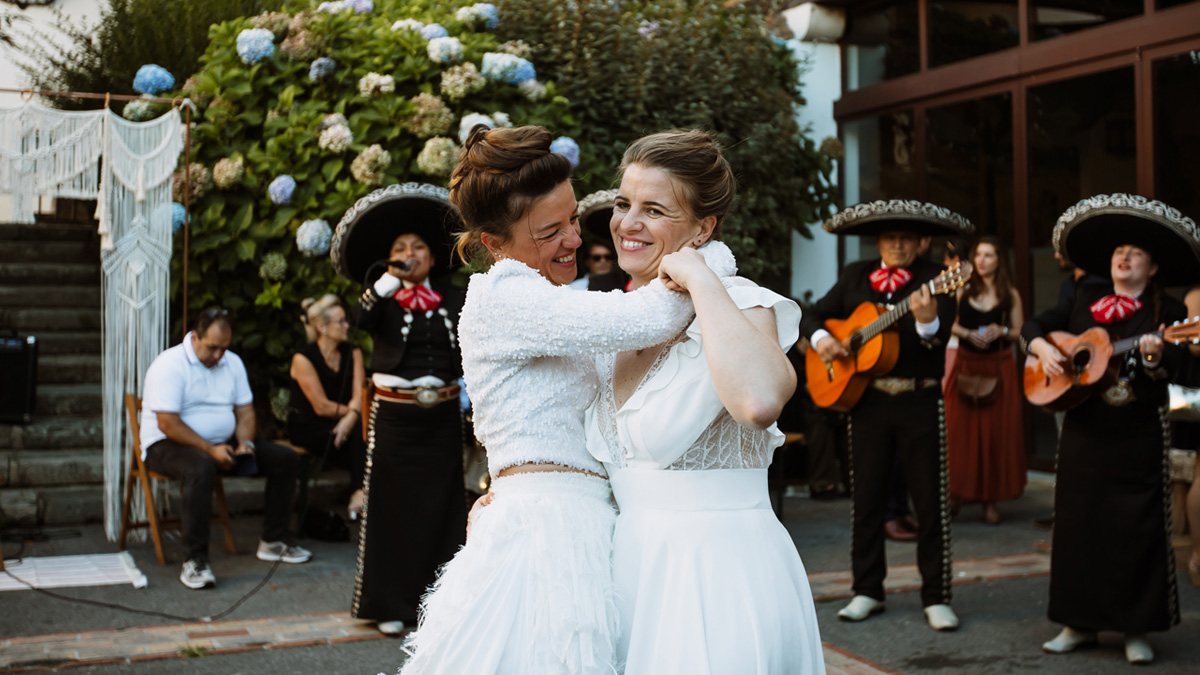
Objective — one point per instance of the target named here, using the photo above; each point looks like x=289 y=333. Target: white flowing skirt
x=708 y=580
x=531 y=592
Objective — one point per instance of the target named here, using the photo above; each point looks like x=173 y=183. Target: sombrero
x=1088 y=232
x=366 y=231
x=595 y=212
x=869 y=219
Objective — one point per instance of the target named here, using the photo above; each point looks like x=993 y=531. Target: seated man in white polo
x=198 y=419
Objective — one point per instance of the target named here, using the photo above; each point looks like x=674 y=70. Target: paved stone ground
x=298 y=622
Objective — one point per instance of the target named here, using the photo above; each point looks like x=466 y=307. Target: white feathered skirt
x=708 y=581
x=531 y=592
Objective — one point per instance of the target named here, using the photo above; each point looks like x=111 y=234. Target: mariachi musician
x=414 y=512
x=900 y=413
x=1112 y=566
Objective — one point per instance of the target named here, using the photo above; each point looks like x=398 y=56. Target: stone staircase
x=51 y=469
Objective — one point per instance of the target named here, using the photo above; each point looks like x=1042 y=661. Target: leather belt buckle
x=426 y=397
x=894 y=385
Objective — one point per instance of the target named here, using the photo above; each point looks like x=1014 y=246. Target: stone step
x=43 y=468
x=49 y=232
x=49 y=274
x=69 y=342
x=51 y=251
x=33 y=321
x=53 y=296
x=68 y=369
x=53 y=433
x=72 y=504
x=76 y=400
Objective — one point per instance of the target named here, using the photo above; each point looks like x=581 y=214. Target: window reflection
x=881 y=42
x=1176 y=135
x=969 y=161
x=1163 y=4
x=1051 y=18
x=878 y=164
x=961 y=30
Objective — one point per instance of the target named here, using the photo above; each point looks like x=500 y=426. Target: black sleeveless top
x=971 y=318
x=301 y=416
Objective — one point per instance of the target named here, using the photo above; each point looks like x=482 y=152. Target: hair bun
x=306 y=303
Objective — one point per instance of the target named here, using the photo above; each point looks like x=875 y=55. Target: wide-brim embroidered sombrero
x=1089 y=232
x=870 y=219
x=366 y=231
x=595 y=214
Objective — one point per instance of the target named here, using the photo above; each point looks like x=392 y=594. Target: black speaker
x=18 y=385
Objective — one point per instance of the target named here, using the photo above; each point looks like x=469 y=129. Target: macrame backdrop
x=55 y=153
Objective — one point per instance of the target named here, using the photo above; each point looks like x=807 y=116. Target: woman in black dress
x=414 y=518
x=1112 y=566
x=326 y=403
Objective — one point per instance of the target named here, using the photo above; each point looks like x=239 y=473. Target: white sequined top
x=527 y=349
x=674 y=419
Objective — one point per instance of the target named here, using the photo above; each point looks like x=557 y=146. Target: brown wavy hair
x=501 y=173
x=1003 y=281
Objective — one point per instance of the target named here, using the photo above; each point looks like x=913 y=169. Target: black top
x=300 y=411
x=918 y=357
x=426 y=349
x=971 y=318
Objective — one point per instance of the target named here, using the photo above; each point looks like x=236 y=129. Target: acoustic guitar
x=873 y=347
x=1091 y=365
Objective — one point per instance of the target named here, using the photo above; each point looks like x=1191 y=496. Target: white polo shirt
x=203 y=397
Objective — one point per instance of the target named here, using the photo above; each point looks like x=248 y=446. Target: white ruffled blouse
x=527 y=346
x=675 y=420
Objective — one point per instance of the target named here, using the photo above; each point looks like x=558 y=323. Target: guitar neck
x=1122 y=346
x=885 y=320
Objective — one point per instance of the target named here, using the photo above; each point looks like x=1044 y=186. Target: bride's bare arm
x=752 y=374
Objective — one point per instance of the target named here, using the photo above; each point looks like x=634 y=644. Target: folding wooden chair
x=139 y=473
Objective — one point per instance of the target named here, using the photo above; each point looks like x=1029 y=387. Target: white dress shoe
x=941 y=617
x=1068 y=641
x=1137 y=650
x=391 y=627
x=860 y=607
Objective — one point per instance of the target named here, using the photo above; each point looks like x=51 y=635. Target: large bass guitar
x=1091 y=364
x=872 y=346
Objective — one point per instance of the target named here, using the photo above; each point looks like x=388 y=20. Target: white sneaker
x=1137 y=650
x=196 y=575
x=860 y=608
x=941 y=617
x=280 y=550
x=391 y=627
x=1068 y=641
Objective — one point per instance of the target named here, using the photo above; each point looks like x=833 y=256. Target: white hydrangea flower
x=469 y=121
x=445 y=50
x=374 y=84
x=438 y=157
x=336 y=138
x=532 y=90
x=502 y=120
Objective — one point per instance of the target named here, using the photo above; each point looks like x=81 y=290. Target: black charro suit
x=415 y=518
x=910 y=425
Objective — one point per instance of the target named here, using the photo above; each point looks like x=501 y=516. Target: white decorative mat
x=65 y=571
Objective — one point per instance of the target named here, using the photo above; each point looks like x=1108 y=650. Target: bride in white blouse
x=531 y=592
x=708 y=581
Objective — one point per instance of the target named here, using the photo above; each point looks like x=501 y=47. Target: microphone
x=401 y=264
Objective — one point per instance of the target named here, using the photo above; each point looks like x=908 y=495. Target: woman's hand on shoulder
x=682 y=269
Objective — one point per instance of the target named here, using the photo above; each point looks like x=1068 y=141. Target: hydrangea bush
x=304 y=112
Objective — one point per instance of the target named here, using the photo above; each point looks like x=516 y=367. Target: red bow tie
x=890 y=279
x=418 y=298
x=1114 y=308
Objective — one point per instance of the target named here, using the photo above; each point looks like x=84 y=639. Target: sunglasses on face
x=602 y=256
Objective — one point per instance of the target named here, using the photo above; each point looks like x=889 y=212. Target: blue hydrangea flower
x=178 y=216
x=255 y=44
x=433 y=30
x=321 y=67
x=445 y=50
x=151 y=79
x=567 y=147
x=362 y=6
x=649 y=29
x=484 y=12
x=507 y=68
x=280 y=190
x=313 y=238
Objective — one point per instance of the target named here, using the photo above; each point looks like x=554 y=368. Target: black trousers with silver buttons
x=910 y=426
